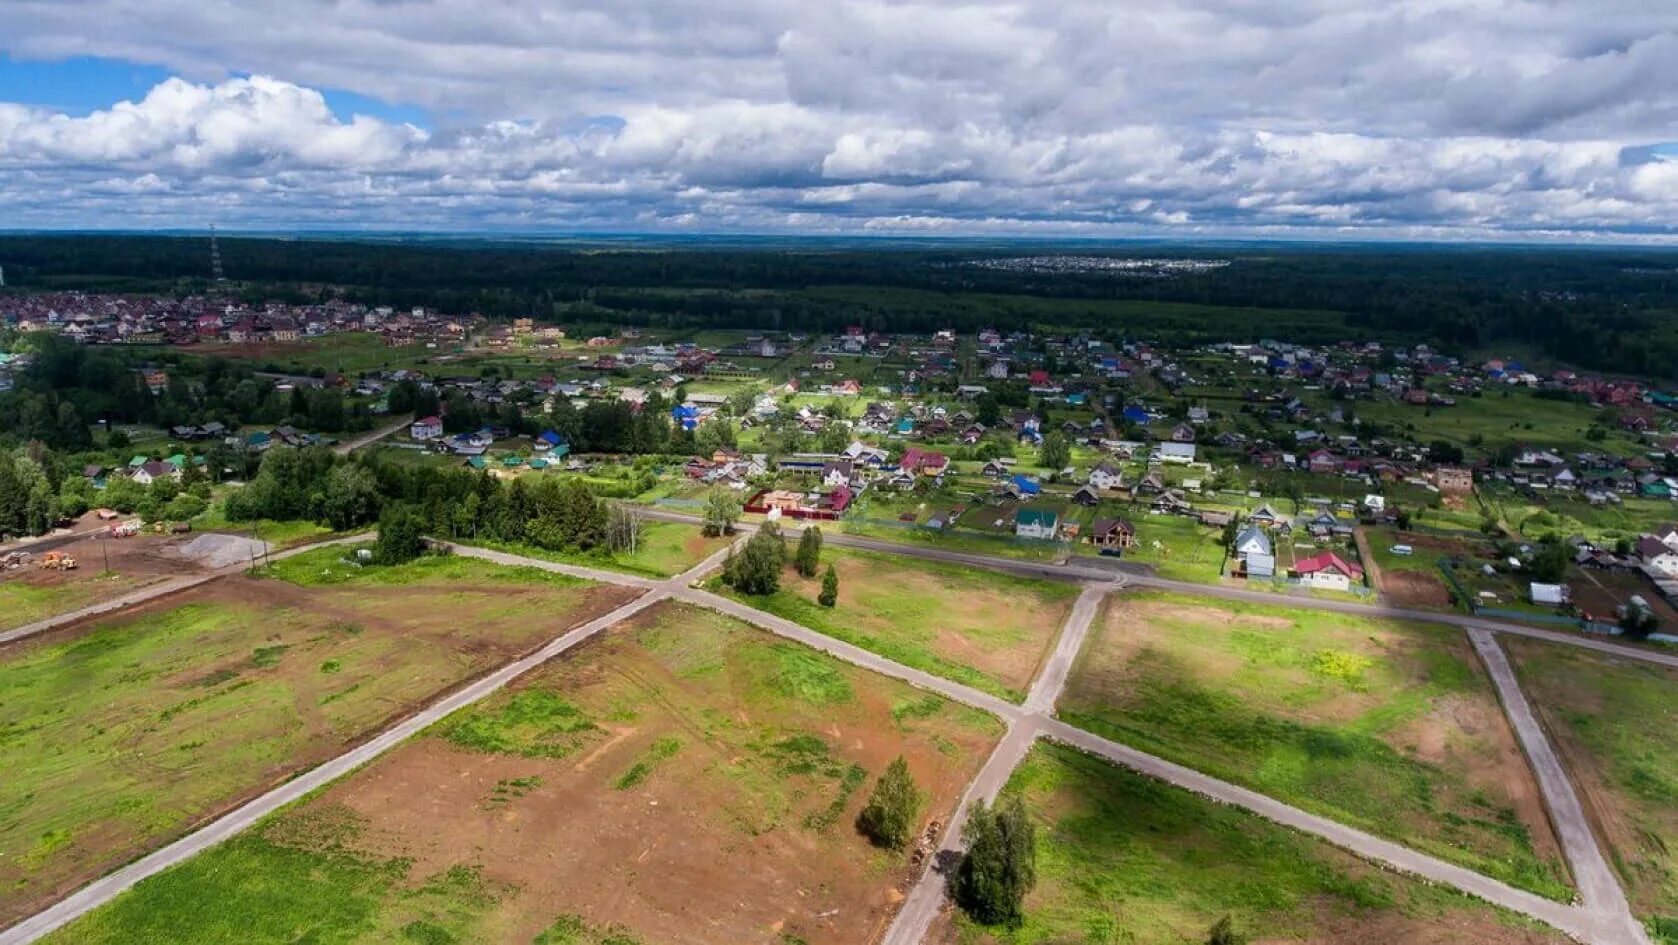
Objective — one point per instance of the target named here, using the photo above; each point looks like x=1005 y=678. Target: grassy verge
x=667 y=549
x=24 y=603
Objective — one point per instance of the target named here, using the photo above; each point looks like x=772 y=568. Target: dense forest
x=1604 y=309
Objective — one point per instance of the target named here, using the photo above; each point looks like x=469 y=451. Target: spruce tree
x=830 y=588
x=892 y=810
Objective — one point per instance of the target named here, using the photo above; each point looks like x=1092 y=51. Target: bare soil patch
x=723 y=841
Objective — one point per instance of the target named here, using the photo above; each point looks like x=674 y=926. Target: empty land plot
x=1612 y=721
x=985 y=630
x=682 y=778
x=1390 y=727
x=117 y=734
x=1123 y=858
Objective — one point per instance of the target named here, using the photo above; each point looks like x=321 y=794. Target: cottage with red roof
x=1328 y=571
x=923 y=462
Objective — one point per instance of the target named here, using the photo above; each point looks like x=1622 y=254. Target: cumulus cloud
x=1409 y=117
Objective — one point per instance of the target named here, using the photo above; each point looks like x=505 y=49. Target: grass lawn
x=1612 y=721
x=667 y=549
x=26 y=597
x=349 y=353
x=1122 y=858
x=989 y=631
x=121 y=733
x=684 y=779
x=1390 y=727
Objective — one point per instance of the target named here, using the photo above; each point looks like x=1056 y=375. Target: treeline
x=1605 y=309
x=68 y=386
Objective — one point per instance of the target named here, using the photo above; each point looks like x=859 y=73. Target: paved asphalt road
x=1597 y=923
x=1599 y=889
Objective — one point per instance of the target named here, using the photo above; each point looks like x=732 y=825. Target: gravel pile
x=220 y=551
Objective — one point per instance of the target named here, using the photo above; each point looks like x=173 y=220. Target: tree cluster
x=1000 y=866
x=756 y=569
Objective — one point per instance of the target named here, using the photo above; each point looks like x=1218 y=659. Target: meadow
x=666 y=549
x=1612 y=720
x=1122 y=858
x=218 y=693
x=680 y=779
x=1390 y=727
x=985 y=630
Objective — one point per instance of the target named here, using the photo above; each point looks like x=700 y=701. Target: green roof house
x=1041 y=524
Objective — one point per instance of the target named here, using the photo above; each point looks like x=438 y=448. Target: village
x=1262 y=463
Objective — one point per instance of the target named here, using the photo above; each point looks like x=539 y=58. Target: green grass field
x=121 y=735
x=989 y=631
x=1390 y=727
x=1122 y=858
x=667 y=549
x=1498 y=417
x=659 y=785
x=23 y=602
x=1612 y=721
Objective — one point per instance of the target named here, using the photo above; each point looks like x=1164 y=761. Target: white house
x=1175 y=452
x=426 y=428
x=1657 y=557
x=1107 y=476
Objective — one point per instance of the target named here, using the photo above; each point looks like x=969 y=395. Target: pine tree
x=809 y=557
x=830 y=588
x=1000 y=866
x=889 y=817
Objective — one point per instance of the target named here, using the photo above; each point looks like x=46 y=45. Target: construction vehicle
x=58 y=561
x=126 y=529
x=11 y=561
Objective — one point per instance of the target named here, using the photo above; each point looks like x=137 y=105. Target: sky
x=1531 y=120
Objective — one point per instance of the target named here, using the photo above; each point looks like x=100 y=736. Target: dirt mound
x=220 y=551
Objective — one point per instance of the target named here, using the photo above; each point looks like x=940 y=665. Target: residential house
x=1040 y=524
x=1328 y=571
x=1113 y=533
x=1657 y=557
x=426 y=428
x=1175 y=452
x=1107 y=476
